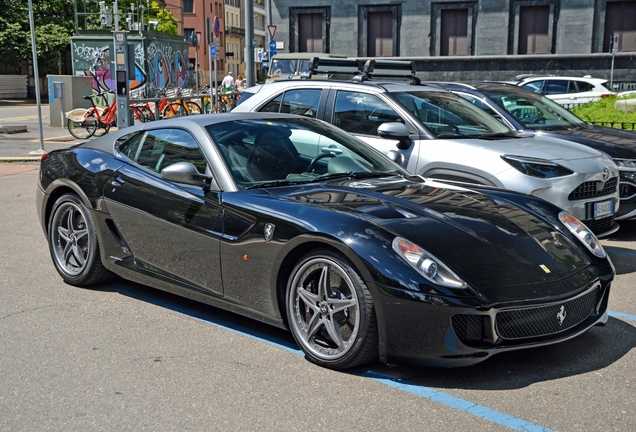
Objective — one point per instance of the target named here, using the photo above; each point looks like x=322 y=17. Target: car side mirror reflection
x=396 y=131
x=186 y=173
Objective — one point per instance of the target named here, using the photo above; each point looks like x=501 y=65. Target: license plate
x=603 y=208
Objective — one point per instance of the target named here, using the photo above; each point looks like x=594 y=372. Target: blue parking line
x=457 y=403
x=620 y=252
x=480 y=411
x=622 y=315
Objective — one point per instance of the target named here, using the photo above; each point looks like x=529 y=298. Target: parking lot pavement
x=126 y=357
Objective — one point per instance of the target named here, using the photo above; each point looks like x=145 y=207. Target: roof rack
x=362 y=70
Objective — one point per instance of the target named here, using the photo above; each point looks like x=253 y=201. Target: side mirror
x=186 y=173
x=396 y=131
x=396 y=156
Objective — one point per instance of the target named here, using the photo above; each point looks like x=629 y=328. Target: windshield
x=265 y=152
x=282 y=68
x=447 y=115
x=534 y=111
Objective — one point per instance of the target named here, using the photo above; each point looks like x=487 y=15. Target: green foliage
x=168 y=24
x=55 y=23
x=604 y=111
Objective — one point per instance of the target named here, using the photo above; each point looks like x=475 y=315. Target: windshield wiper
x=275 y=183
x=355 y=175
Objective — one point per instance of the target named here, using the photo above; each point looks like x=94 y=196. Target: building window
x=533 y=30
x=188 y=6
x=452 y=29
x=620 y=21
x=533 y=27
x=189 y=34
x=309 y=28
x=379 y=33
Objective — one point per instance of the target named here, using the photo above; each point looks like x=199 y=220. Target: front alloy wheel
x=331 y=313
x=73 y=243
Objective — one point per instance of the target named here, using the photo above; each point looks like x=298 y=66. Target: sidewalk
x=16 y=145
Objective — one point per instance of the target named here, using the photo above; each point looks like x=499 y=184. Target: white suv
x=440 y=135
x=564 y=90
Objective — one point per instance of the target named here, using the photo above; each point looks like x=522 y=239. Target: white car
x=565 y=90
x=437 y=134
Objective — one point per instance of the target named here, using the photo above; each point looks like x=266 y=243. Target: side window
x=534 y=86
x=164 y=147
x=557 y=87
x=362 y=113
x=301 y=102
x=273 y=105
x=129 y=147
x=580 y=87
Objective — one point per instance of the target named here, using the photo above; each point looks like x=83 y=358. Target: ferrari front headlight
x=426 y=264
x=584 y=234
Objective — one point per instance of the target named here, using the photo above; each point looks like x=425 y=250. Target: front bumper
x=451 y=332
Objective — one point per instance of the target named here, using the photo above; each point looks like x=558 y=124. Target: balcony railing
x=234 y=31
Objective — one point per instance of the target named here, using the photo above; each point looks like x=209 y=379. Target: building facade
x=486 y=39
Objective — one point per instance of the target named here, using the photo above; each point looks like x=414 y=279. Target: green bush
x=604 y=111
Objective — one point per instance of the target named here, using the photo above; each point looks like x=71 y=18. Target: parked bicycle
x=84 y=123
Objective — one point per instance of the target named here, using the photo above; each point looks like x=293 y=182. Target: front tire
x=73 y=243
x=84 y=129
x=331 y=312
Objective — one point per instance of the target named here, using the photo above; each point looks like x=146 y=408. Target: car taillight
x=606 y=95
x=44 y=157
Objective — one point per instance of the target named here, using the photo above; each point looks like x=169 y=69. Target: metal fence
x=616 y=125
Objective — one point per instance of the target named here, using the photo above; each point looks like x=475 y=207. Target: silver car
x=437 y=134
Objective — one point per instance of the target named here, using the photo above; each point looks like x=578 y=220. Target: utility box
x=65 y=94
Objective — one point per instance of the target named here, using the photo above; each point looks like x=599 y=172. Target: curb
x=20 y=159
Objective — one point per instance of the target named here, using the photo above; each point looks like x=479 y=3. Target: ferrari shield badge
x=269 y=231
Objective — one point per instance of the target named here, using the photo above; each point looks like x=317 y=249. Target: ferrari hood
x=489 y=242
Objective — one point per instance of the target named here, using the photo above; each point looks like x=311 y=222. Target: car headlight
x=426 y=264
x=626 y=164
x=537 y=167
x=583 y=233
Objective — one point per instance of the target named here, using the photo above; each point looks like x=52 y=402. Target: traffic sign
x=272 y=54
x=213 y=50
x=217 y=26
x=254 y=43
x=272 y=45
x=272 y=31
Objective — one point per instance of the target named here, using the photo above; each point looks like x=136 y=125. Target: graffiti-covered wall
x=160 y=61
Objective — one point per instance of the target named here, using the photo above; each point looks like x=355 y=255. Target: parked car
x=525 y=111
x=565 y=90
x=298 y=224
x=440 y=135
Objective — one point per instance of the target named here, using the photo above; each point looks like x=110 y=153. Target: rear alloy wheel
x=73 y=243
x=331 y=313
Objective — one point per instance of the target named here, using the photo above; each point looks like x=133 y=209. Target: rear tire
x=330 y=311
x=84 y=129
x=193 y=107
x=173 y=109
x=73 y=243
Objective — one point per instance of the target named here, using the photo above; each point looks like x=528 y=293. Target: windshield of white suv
x=449 y=116
x=534 y=111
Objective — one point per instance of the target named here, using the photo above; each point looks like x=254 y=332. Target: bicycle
x=83 y=125
x=169 y=109
x=191 y=106
x=224 y=102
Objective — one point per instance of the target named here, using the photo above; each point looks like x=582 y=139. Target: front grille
x=601 y=225
x=545 y=320
x=589 y=189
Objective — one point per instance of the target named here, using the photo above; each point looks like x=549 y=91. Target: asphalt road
x=126 y=357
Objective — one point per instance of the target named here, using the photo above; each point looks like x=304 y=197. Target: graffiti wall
x=160 y=61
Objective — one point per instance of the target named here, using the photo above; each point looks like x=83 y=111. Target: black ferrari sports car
x=295 y=223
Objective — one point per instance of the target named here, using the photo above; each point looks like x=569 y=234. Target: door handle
x=117 y=181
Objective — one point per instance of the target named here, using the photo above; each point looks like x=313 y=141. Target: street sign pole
x=210 y=76
x=217 y=31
